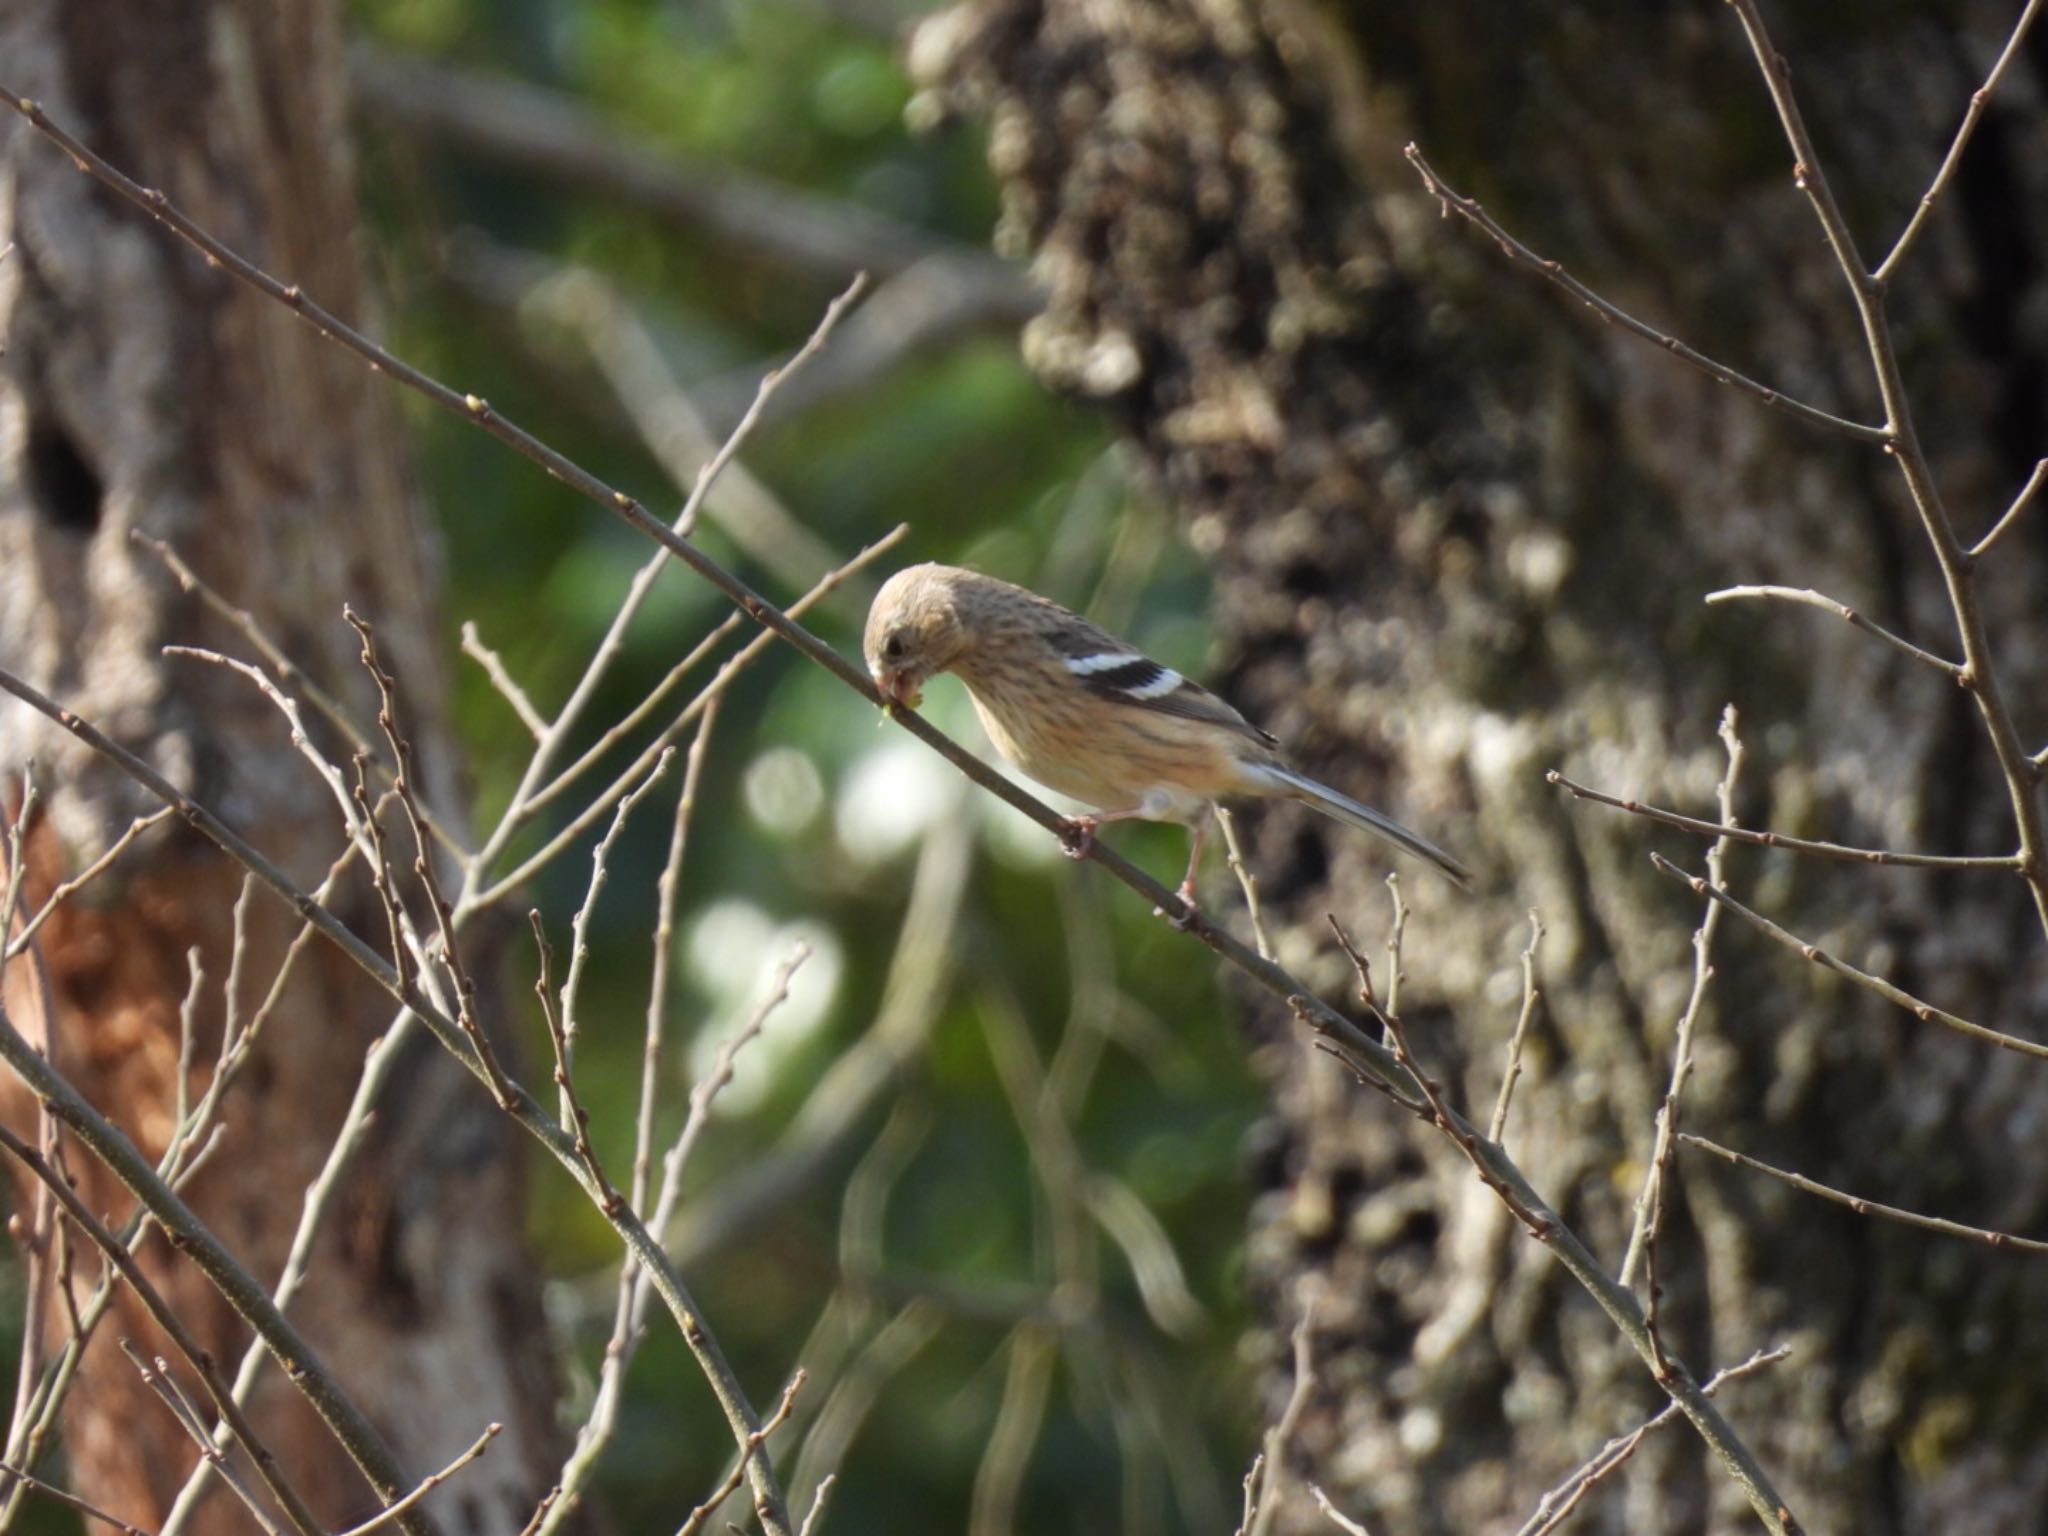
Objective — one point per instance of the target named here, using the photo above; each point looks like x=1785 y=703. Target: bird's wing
x=1106 y=666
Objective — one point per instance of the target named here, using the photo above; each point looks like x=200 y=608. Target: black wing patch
x=1135 y=679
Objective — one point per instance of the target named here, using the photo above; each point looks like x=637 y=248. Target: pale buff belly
x=1111 y=769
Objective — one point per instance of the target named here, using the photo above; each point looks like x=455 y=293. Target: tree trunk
x=1461 y=535
x=145 y=394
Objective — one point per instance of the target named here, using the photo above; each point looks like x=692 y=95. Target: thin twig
x=1336 y=1517
x=501 y=679
x=570 y=1027
x=2020 y=503
x=1556 y=1505
x=817 y=1510
x=1469 y=208
x=1718 y=829
x=601 y=1423
x=1273 y=1453
x=1954 y=157
x=63 y=892
x=1864 y=1207
x=707 y=1088
x=427 y=1485
x=157 y=1378
x=1438 y=1110
x=1812 y=599
x=405 y=781
x=574 y=1115
x=1651 y=1202
x=588 y=813
x=1924 y=1011
x=527 y=795
x=1248 y=881
x=1531 y=996
x=279 y=660
x=755 y=1446
x=90 y=1511
x=379 y=1061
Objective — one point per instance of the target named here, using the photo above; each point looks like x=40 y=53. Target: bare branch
x=2020 y=503
x=1342 y=1521
x=1942 y=177
x=821 y=589
x=279 y=660
x=158 y=1379
x=1531 y=996
x=1862 y=1207
x=427 y=1485
x=1246 y=880
x=1650 y=1203
x=404 y=781
x=753 y=1447
x=574 y=1115
x=20 y=942
x=90 y=1511
x=1264 y=1485
x=1556 y=1505
x=220 y=1266
x=1469 y=208
x=508 y=688
x=1813 y=599
x=817 y=1511
x=1925 y=1012
x=1718 y=829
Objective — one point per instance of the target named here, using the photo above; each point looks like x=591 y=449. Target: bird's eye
x=893 y=646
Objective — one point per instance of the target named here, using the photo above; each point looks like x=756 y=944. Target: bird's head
x=915 y=631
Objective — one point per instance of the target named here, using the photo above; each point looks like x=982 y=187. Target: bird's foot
x=1190 y=912
x=1078 y=836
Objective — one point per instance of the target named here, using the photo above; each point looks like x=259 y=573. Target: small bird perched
x=1085 y=714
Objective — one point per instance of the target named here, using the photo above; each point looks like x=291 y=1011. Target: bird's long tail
x=1341 y=807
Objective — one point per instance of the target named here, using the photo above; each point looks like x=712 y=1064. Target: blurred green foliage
x=812 y=821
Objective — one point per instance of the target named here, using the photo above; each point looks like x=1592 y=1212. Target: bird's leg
x=1189 y=911
x=1078 y=836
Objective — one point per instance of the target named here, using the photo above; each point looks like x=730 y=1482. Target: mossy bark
x=1461 y=534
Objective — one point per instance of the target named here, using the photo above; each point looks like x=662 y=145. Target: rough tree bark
x=1461 y=535
x=145 y=394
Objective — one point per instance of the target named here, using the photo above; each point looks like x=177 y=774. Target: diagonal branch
x=1978 y=99
x=1471 y=210
x=1924 y=1011
x=1843 y=611
x=1862 y=1207
x=1821 y=850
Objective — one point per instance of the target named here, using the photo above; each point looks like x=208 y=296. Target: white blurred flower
x=890 y=797
x=783 y=791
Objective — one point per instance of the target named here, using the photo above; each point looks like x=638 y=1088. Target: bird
x=1090 y=716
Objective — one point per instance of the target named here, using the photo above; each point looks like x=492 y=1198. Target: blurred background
x=628 y=323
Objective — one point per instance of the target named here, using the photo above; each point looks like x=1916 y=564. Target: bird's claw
x=1078 y=836
x=1189 y=914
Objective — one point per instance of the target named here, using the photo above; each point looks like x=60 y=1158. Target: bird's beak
x=897 y=688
